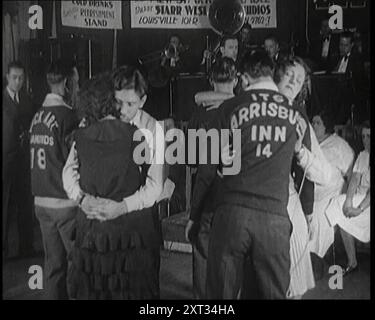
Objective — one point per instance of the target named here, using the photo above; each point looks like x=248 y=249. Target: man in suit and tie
x=325 y=48
x=17 y=115
x=272 y=47
x=351 y=64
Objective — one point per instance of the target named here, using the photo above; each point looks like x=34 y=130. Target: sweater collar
x=267 y=85
x=53 y=100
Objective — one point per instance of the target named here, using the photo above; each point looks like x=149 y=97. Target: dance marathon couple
x=93 y=201
x=250 y=231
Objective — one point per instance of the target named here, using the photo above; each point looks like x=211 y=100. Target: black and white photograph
x=186 y=150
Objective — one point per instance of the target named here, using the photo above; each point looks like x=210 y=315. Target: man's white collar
x=267 y=85
x=53 y=100
x=11 y=93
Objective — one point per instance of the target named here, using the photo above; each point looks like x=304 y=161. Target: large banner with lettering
x=193 y=14
x=92 y=14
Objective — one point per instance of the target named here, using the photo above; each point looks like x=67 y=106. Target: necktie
x=346 y=57
x=16 y=99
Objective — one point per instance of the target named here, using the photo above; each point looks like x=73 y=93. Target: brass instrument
x=171 y=52
x=226 y=17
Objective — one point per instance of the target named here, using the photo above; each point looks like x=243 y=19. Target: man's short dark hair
x=129 y=77
x=59 y=70
x=223 y=71
x=15 y=65
x=174 y=35
x=226 y=38
x=348 y=35
x=257 y=64
x=272 y=37
x=246 y=26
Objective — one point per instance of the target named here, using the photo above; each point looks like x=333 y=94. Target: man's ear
x=245 y=81
x=222 y=50
x=143 y=101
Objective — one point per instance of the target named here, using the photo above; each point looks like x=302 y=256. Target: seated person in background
x=351 y=211
x=325 y=47
x=341 y=158
x=351 y=64
x=223 y=79
x=272 y=46
x=349 y=61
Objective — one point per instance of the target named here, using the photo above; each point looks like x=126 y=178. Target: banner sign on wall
x=193 y=14
x=92 y=14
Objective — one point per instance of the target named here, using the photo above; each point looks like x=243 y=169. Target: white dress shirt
x=14 y=95
x=325 y=47
x=343 y=64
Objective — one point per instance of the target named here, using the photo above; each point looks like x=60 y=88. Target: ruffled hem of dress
x=137 y=285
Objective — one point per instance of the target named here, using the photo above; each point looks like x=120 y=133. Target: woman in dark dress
x=118 y=258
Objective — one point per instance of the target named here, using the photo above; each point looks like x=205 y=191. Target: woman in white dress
x=341 y=158
x=292 y=76
x=351 y=211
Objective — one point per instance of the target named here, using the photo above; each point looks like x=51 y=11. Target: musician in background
x=244 y=45
x=272 y=46
x=325 y=47
x=172 y=62
x=228 y=48
x=351 y=64
x=172 y=57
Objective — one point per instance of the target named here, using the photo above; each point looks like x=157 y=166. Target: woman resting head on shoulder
x=292 y=77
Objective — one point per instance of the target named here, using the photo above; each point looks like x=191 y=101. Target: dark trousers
x=238 y=233
x=18 y=200
x=56 y=226
x=200 y=254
